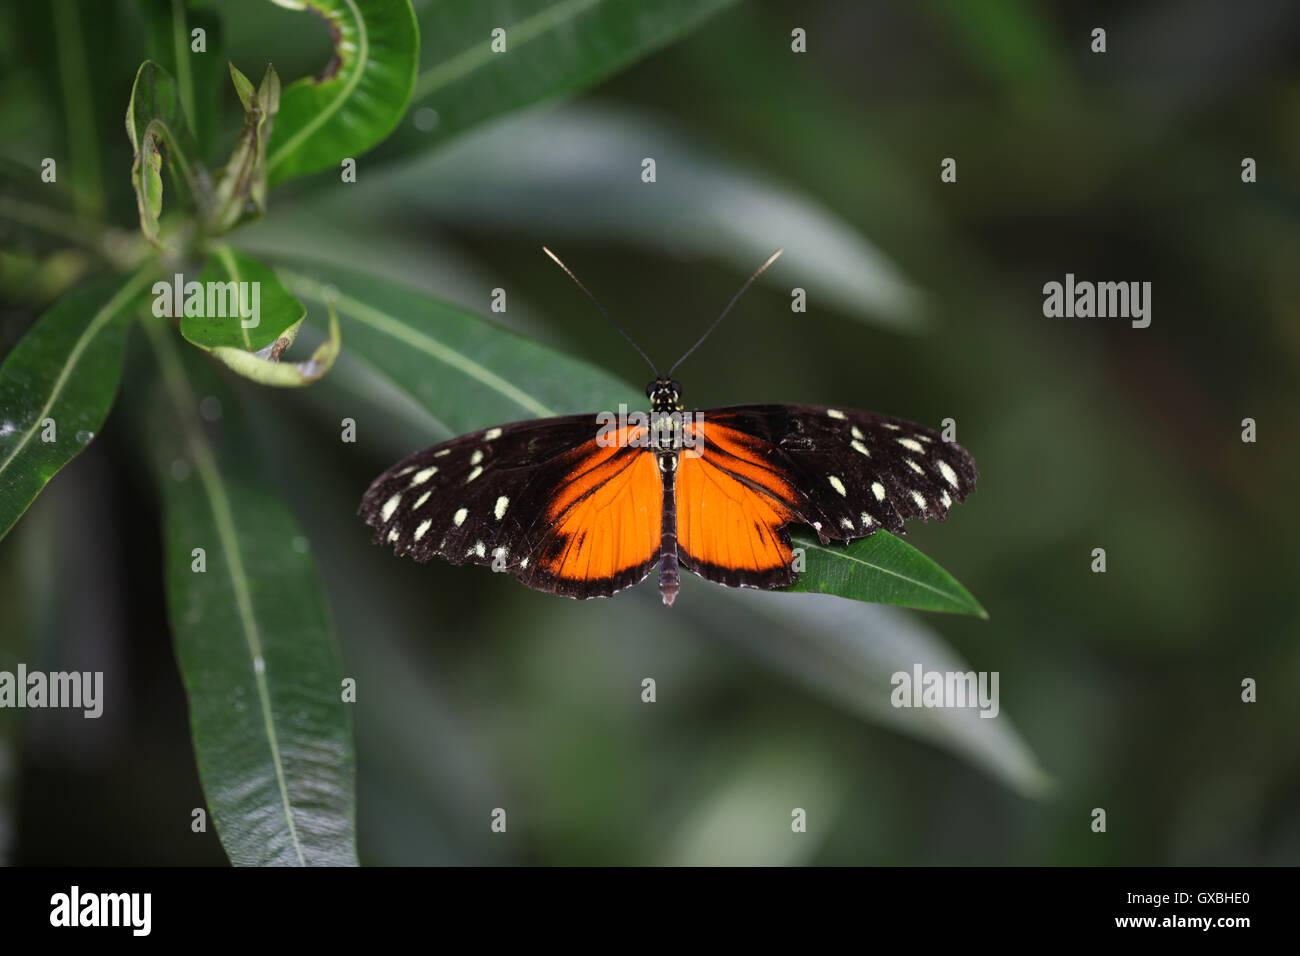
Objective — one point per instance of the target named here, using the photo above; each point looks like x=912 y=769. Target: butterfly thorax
x=666 y=420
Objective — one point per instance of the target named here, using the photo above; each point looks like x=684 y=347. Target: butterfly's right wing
x=565 y=509
x=759 y=470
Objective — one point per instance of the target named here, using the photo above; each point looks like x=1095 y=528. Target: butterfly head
x=665 y=395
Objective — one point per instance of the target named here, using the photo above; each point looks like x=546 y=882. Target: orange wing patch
x=731 y=510
x=606 y=516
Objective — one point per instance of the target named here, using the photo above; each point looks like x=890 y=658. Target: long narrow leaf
x=57 y=386
x=576 y=170
x=546 y=48
x=849 y=654
x=253 y=635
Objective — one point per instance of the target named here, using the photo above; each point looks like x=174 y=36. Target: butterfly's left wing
x=759 y=469
x=565 y=509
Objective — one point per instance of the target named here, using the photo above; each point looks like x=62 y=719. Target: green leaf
x=233 y=323
x=240 y=192
x=250 y=330
x=57 y=386
x=360 y=97
x=553 y=48
x=244 y=88
x=882 y=569
x=252 y=631
x=469 y=373
x=153 y=119
x=575 y=171
x=463 y=369
x=849 y=653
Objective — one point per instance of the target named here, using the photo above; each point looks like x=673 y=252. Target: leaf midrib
x=517 y=35
x=232 y=269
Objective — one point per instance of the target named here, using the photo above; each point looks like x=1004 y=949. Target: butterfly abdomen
x=669 y=579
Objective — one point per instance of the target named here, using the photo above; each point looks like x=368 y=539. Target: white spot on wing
x=478 y=470
x=390 y=506
x=919 y=499
x=393 y=535
x=949 y=475
x=500 y=510
x=856 y=432
x=892 y=427
x=911 y=444
x=846 y=524
x=859 y=447
x=914 y=466
x=439 y=454
x=479 y=549
x=475 y=458
x=523 y=563
x=838 y=486
x=943 y=496
x=422 y=529
x=491 y=433
x=422 y=499
x=835 y=413
x=867 y=520
x=878 y=490
x=459 y=517
x=422 y=476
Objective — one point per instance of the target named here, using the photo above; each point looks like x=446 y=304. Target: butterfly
x=587 y=505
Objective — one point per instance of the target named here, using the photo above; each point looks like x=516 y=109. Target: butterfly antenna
x=709 y=331
x=602 y=309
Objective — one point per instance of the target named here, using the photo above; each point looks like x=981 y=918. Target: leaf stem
x=88 y=193
x=180 y=49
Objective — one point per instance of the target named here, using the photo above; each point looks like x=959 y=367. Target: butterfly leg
x=669 y=579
